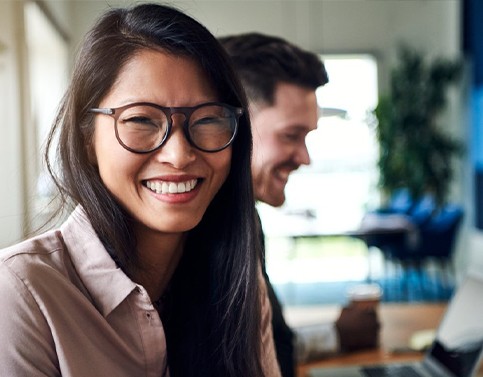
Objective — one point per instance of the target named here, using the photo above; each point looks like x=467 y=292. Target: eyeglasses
x=143 y=127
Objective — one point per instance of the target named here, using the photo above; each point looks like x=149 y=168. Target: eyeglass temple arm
x=106 y=111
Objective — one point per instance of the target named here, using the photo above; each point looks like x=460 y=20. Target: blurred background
x=312 y=253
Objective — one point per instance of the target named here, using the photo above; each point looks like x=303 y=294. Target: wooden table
x=398 y=323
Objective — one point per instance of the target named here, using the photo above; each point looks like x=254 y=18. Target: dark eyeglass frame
x=187 y=111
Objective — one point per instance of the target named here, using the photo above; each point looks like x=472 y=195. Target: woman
x=155 y=272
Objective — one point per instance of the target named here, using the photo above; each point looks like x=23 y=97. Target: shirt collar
x=107 y=284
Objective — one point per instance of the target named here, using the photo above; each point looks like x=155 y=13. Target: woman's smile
x=167 y=187
x=174 y=190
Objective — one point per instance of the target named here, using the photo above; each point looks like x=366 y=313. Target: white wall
x=322 y=25
x=18 y=148
x=11 y=87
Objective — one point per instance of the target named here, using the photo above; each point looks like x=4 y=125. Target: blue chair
x=438 y=235
x=416 y=212
x=423 y=210
x=436 y=243
x=400 y=202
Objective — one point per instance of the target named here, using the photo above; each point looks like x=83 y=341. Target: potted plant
x=415 y=151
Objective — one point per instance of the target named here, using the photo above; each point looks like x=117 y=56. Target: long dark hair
x=212 y=316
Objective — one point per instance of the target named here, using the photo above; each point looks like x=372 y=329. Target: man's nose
x=302 y=155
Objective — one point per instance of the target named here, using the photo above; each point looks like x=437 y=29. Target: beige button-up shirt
x=68 y=310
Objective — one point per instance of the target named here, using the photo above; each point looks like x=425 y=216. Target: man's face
x=279 y=133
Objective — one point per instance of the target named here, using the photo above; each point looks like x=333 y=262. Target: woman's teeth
x=162 y=187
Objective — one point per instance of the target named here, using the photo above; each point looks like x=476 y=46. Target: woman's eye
x=206 y=120
x=140 y=121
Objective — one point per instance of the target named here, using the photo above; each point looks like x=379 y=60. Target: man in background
x=280 y=80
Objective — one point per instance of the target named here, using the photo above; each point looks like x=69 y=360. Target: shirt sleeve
x=27 y=347
x=269 y=357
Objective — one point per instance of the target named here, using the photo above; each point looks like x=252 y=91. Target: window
x=332 y=194
x=47 y=57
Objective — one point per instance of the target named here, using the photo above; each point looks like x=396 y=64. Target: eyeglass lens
x=143 y=128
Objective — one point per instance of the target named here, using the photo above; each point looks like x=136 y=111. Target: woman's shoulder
x=34 y=261
x=33 y=250
x=45 y=253
x=27 y=271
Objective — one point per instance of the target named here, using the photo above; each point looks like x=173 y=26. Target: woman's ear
x=91 y=153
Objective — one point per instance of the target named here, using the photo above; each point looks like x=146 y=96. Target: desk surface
x=398 y=323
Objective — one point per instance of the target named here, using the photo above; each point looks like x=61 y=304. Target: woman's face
x=133 y=179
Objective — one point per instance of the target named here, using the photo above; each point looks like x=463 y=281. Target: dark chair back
x=438 y=236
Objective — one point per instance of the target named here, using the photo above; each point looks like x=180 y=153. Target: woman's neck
x=159 y=255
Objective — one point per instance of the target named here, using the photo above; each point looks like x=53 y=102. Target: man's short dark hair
x=263 y=61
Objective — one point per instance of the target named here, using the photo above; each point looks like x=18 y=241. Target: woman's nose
x=176 y=150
